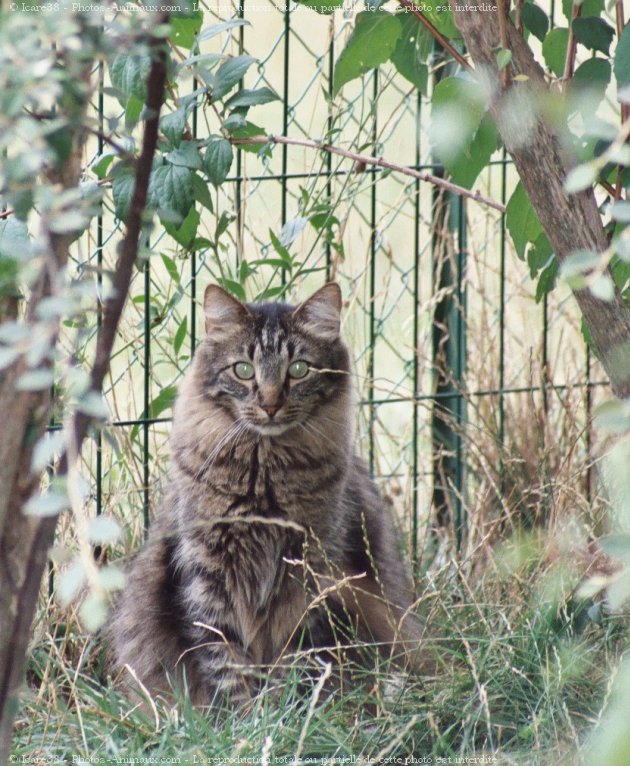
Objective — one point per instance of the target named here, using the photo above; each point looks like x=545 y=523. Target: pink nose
x=271 y=407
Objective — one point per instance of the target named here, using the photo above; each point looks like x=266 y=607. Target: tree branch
x=128 y=247
x=436 y=34
x=378 y=162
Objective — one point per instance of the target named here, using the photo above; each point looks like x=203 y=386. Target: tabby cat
x=271 y=535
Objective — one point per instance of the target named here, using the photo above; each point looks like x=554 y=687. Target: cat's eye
x=298 y=369
x=244 y=370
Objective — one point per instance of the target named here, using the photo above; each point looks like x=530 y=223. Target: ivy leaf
x=171 y=189
x=411 y=52
x=128 y=73
x=593 y=33
x=521 y=220
x=621 y=66
x=229 y=74
x=555 y=49
x=246 y=98
x=218 y=160
x=371 y=43
x=535 y=19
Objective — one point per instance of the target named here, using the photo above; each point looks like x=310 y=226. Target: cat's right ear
x=223 y=312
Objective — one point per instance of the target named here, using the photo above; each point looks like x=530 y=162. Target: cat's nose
x=271 y=407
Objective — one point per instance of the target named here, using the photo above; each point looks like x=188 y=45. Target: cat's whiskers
x=235 y=430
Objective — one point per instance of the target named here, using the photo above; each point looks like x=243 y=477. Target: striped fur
x=270 y=524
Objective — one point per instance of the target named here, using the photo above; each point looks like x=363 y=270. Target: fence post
x=448 y=248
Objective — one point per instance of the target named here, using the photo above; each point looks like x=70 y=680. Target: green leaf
x=224 y=26
x=535 y=19
x=50 y=503
x=547 y=279
x=186 y=156
x=621 y=66
x=128 y=73
x=171 y=267
x=521 y=220
x=162 y=402
x=411 y=52
x=173 y=125
x=503 y=58
x=14 y=241
x=202 y=194
x=581 y=177
x=133 y=110
x=229 y=74
x=185 y=29
x=103 y=530
x=555 y=49
x=292 y=229
x=620 y=211
x=171 y=189
x=233 y=287
x=284 y=254
x=476 y=156
x=218 y=160
x=587 y=7
x=538 y=255
x=593 y=33
x=322 y=6
x=180 y=335
x=35 y=380
x=71 y=581
x=592 y=75
x=247 y=130
x=457 y=110
x=122 y=190
x=247 y=98
x=185 y=233
x=441 y=17
x=101 y=164
x=371 y=43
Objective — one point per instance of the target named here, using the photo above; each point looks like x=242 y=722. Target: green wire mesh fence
x=463 y=381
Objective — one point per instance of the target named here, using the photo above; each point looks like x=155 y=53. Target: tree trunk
x=542 y=161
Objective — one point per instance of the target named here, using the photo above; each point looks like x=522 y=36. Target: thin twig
x=569 y=62
x=436 y=34
x=128 y=247
x=6 y=214
x=501 y=14
x=378 y=162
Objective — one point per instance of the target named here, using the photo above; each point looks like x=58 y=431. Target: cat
x=271 y=535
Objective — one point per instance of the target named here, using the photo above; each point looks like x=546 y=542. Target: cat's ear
x=320 y=314
x=223 y=312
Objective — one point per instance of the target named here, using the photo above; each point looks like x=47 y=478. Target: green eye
x=244 y=370
x=298 y=369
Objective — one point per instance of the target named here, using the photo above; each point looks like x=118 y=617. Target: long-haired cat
x=271 y=534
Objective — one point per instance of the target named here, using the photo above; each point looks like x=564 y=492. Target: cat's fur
x=271 y=535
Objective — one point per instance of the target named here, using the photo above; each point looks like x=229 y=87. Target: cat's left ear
x=320 y=314
x=223 y=312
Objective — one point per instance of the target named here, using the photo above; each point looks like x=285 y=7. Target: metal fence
x=465 y=384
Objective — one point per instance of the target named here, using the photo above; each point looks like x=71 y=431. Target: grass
x=521 y=676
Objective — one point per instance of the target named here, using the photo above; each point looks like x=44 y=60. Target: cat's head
x=273 y=366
